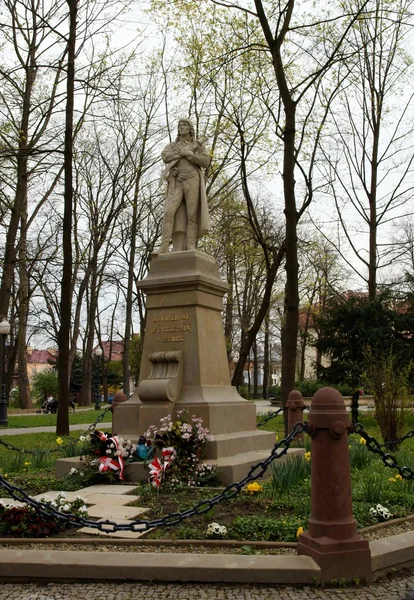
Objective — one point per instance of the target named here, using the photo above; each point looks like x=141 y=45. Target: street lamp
x=98 y=354
x=4 y=332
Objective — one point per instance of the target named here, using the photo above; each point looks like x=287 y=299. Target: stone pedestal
x=184 y=305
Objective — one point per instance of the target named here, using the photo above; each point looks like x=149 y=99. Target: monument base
x=185 y=365
x=346 y=560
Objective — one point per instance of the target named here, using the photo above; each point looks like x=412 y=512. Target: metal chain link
x=202 y=507
x=61 y=448
x=274 y=414
x=388 y=459
x=398 y=440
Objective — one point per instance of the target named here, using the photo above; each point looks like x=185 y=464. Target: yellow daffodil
x=399 y=477
x=27 y=464
x=392 y=480
x=307 y=456
x=254 y=488
x=299 y=531
x=5 y=475
x=277 y=438
x=362 y=441
x=59 y=441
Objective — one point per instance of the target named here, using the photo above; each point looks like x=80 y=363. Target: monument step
x=231 y=444
x=234 y=468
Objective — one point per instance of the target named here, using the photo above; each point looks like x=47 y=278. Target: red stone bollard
x=294 y=406
x=332 y=539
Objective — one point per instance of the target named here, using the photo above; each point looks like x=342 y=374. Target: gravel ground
x=397 y=587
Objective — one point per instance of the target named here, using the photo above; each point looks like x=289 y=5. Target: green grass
x=86 y=417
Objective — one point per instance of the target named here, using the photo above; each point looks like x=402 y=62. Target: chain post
x=332 y=539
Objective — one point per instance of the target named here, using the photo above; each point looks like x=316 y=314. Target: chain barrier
x=61 y=448
x=269 y=416
x=202 y=507
x=274 y=414
x=398 y=440
x=388 y=459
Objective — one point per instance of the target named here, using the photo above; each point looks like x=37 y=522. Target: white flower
x=83 y=509
x=46 y=499
x=66 y=507
x=73 y=471
x=80 y=498
x=214 y=529
x=108 y=452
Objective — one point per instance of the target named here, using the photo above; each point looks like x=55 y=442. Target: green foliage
x=45 y=384
x=373 y=487
x=287 y=474
x=388 y=384
x=266 y=529
x=359 y=456
x=347 y=327
x=114 y=374
x=76 y=375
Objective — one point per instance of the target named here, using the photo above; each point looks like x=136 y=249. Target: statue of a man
x=186 y=217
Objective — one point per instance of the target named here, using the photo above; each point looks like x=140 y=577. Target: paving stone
x=132 y=535
x=105 y=511
x=10 y=502
x=110 y=499
x=106 y=489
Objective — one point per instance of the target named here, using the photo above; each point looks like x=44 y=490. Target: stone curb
x=89 y=541
x=44 y=565
x=387 y=555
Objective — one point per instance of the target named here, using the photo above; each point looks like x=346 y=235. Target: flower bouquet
x=111 y=453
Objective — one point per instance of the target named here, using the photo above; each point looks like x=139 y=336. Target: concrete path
x=50 y=428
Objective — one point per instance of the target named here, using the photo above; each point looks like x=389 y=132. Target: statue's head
x=190 y=126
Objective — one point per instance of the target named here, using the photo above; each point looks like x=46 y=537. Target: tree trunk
x=62 y=422
x=85 y=395
x=255 y=371
x=266 y=358
x=24 y=388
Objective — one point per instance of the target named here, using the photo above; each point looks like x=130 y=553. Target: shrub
x=26 y=521
x=389 y=385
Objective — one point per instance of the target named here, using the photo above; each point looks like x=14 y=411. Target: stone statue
x=186 y=217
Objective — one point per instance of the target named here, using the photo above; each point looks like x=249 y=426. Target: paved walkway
x=396 y=588
x=50 y=428
x=262 y=407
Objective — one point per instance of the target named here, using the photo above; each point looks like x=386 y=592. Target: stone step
x=106 y=511
x=106 y=489
x=111 y=499
x=231 y=444
x=234 y=468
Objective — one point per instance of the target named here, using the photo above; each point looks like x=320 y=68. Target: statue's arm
x=201 y=157
x=169 y=154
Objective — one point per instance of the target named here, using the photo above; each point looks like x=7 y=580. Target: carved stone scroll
x=166 y=378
